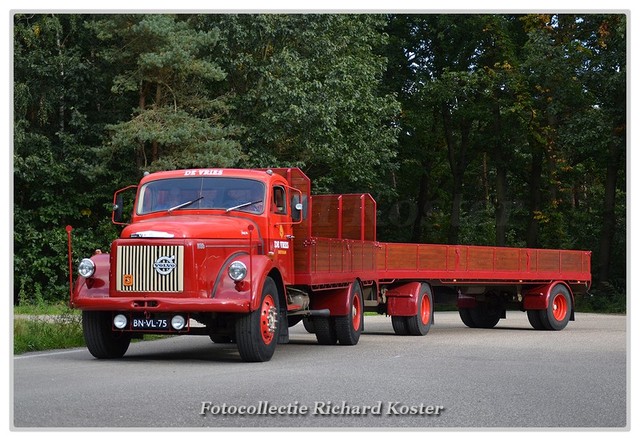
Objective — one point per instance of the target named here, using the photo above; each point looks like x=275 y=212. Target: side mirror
x=118 y=214
x=118 y=209
x=299 y=204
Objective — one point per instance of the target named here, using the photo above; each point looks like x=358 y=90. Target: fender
x=336 y=300
x=538 y=296
x=402 y=300
x=466 y=302
x=258 y=267
x=98 y=284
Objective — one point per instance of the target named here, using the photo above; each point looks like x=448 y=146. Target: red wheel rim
x=560 y=307
x=268 y=319
x=425 y=310
x=356 y=316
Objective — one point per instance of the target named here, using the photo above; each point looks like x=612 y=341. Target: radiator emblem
x=127 y=279
x=165 y=264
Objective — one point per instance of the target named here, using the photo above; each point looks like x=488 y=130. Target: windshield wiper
x=246 y=204
x=184 y=204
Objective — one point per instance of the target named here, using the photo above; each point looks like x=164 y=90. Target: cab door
x=281 y=229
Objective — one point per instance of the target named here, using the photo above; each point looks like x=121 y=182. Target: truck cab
x=212 y=245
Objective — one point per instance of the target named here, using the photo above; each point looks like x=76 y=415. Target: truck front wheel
x=100 y=338
x=257 y=332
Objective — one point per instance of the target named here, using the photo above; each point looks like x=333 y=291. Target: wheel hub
x=272 y=319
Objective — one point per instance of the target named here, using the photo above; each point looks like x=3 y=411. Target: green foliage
x=167 y=68
x=307 y=91
x=42 y=333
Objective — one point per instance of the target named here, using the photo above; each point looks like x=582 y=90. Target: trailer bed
x=321 y=261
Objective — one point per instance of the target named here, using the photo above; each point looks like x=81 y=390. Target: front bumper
x=165 y=304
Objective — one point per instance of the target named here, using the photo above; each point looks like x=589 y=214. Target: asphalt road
x=454 y=377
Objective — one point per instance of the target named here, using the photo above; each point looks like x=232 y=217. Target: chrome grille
x=150 y=268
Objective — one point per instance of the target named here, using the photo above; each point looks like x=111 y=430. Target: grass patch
x=45 y=309
x=43 y=333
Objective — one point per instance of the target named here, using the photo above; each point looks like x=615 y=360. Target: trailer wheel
x=420 y=323
x=325 y=330
x=349 y=327
x=534 y=319
x=482 y=316
x=100 y=338
x=486 y=316
x=556 y=316
x=399 y=324
x=257 y=332
x=465 y=315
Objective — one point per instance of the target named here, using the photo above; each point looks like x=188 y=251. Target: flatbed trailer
x=285 y=255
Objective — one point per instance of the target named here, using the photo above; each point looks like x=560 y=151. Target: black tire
x=257 y=332
x=420 y=323
x=220 y=338
x=534 y=318
x=308 y=324
x=558 y=312
x=349 y=327
x=399 y=324
x=325 y=330
x=486 y=316
x=100 y=338
x=465 y=315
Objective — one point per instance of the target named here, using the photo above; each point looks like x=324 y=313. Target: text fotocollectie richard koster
x=321 y=408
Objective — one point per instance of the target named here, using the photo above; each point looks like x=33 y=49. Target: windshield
x=202 y=193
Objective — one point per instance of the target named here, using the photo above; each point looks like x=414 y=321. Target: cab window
x=279 y=205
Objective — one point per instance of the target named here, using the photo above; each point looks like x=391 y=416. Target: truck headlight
x=86 y=268
x=237 y=271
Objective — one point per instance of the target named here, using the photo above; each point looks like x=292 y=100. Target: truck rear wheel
x=349 y=327
x=100 y=338
x=257 y=332
x=534 y=319
x=325 y=330
x=399 y=324
x=420 y=323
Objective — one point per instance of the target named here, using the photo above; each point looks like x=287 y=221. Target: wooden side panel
x=508 y=259
x=402 y=257
x=325 y=216
x=433 y=257
x=479 y=259
x=548 y=260
x=571 y=261
x=370 y=214
x=301 y=257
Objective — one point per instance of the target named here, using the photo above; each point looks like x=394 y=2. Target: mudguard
x=96 y=286
x=402 y=300
x=250 y=289
x=538 y=296
x=336 y=300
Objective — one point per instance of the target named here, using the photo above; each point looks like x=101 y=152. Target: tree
x=306 y=90
x=58 y=90
x=166 y=66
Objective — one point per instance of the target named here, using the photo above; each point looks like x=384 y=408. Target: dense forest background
x=488 y=129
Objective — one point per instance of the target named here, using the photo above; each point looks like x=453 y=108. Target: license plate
x=150 y=324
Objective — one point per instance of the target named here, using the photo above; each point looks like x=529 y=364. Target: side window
x=279 y=205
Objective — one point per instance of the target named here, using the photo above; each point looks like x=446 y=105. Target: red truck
x=242 y=255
